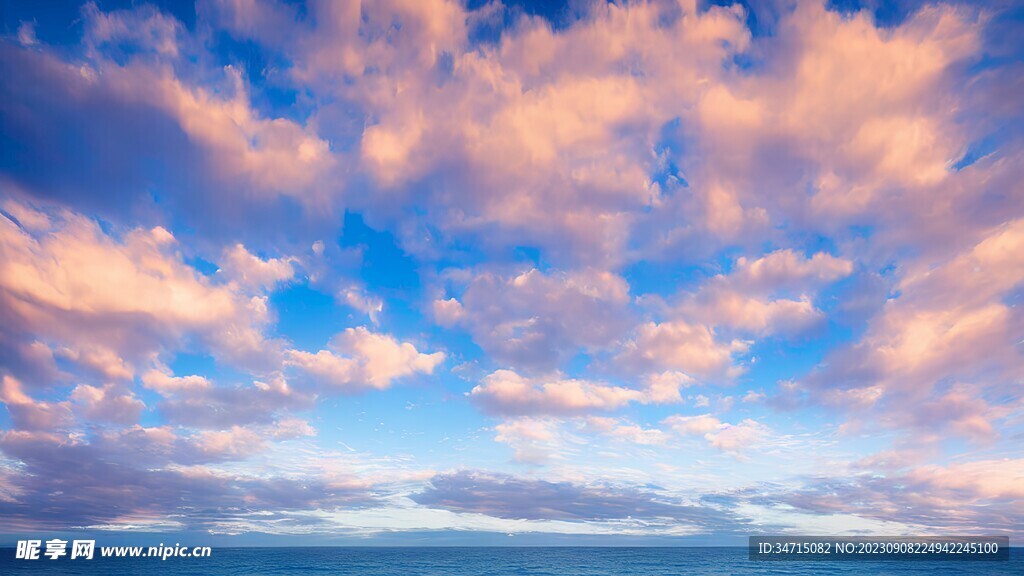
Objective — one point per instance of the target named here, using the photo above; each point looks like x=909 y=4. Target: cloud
x=236 y=442
x=663 y=388
x=103 y=361
x=540 y=440
x=145 y=27
x=166 y=384
x=364 y=302
x=29 y=359
x=753 y=397
x=112 y=303
x=27 y=34
x=510 y=497
x=508 y=393
x=680 y=346
x=533 y=440
x=567 y=149
x=535 y=320
x=945 y=343
x=293 y=428
x=250 y=272
x=29 y=414
x=758 y=316
x=193 y=401
x=141 y=92
x=109 y=403
x=764 y=296
x=969 y=497
x=149 y=487
x=627 y=431
x=273 y=155
x=196 y=402
x=737 y=438
x=580 y=109
x=782 y=134
x=747 y=299
x=694 y=425
x=558 y=152
x=702 y=332
x=846 y=62
x=448 y=312
x=787 y=270
x=359 y=359
x=733 y=439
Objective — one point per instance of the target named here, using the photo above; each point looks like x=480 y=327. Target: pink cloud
x=252 y=273
x=533 y=320
x=32 y=415
x=972 y=497
x=627 y=431
x=945 y=343
x=533 y=440
x=733 y=439
x=663 y=388
x=359 y=359
x=236 y=442
x=110 y=403
x=273 y=155
x=506 y=392
x=167 y=384
x=788 y=270
x=679 y=345
x=73 y=284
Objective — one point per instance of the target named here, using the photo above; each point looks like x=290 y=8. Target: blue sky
x=432 y=273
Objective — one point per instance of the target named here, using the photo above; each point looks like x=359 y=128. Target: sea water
x=492 y=561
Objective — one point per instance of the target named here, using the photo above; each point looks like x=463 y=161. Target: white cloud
x=167 y=384
x=506 y=392
x=250 y=272
x=364 y=302
x=678 y=345
x=234 y=443
x=730 y=438
x=664 y=387
x=533 y=440
x=359 y=359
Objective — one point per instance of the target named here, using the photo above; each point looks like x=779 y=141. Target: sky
x=433 y=272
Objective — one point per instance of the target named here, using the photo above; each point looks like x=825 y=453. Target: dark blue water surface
x=490 y=562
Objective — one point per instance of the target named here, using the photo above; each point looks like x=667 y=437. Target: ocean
x=482 y=561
